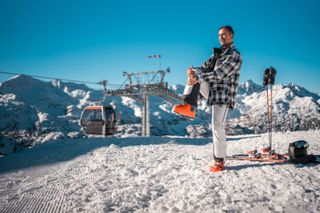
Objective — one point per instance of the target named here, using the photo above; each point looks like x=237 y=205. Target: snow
x=42 y=117
x=249 y=87
x=78 y=93
x=40 y=108
x=53 y=136
x=37 y=93
x=15 y=114
x=126 y=101
x=157 y=174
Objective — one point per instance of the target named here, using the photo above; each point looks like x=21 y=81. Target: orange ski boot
x=217 y=166
x=185 y=110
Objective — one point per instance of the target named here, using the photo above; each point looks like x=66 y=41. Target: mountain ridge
x=44 y=111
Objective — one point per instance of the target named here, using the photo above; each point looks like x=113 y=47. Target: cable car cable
x=52 y=78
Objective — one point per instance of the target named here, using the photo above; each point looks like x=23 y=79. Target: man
x=217 y=81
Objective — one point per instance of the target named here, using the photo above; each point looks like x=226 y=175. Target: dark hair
x=228 y=27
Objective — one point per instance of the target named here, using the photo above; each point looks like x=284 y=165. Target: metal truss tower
x=140 y=86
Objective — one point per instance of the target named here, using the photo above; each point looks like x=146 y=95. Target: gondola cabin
x=98 y=120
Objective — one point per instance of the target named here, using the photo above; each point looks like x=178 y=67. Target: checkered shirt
x=224 y=77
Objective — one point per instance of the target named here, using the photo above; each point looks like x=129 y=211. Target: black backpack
x=298 y=153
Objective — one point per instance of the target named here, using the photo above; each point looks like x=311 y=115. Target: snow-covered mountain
x=295 y=108
x=34 y=111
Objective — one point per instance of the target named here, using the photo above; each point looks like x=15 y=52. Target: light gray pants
x=219 y=115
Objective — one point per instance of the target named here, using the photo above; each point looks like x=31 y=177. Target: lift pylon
x=140 y=86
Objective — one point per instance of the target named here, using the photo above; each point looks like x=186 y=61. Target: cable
x=45 y=77
x=52 y=78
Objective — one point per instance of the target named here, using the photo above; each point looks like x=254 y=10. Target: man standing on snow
x=217 y=81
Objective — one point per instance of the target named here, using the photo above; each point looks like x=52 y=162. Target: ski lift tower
x=140 y=86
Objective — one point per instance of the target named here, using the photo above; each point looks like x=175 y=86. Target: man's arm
x=228 y=67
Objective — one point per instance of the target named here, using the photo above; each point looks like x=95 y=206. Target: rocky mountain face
x=34 y=111
x=294 y=108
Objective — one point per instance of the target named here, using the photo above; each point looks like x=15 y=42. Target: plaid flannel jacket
x=223 y=72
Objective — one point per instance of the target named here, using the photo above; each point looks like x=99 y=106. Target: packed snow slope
x=157 y=174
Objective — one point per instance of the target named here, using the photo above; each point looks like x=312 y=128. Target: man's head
x=225 y=35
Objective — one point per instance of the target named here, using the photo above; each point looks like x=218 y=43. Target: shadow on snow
x=67 y=149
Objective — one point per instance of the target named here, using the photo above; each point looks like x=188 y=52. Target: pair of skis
x=266 y=154
x=275 y=158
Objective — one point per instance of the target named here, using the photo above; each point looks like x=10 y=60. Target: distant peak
x=301 y=91
x=21 y=79
x=249 y=86
x=176 y=86
x=56 y=83
x=249 y=83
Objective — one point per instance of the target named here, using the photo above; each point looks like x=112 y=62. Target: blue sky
x=96 y=40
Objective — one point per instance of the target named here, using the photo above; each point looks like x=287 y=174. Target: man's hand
x=191 y=77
